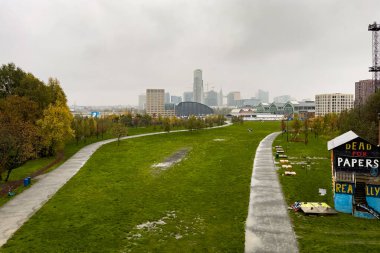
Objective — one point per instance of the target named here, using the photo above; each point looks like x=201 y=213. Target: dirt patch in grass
x=173 y=159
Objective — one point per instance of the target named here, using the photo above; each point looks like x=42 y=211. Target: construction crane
x=375 y=68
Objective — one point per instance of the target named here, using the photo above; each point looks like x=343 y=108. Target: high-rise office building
x=155 y=102
x=211 y=98
x=167 y=98
x=142 y=101
x=232 y=98
x=176 y=100
x=263 y=96
x=363 y=89
x=198 y=87
x=220 y=98
x=333 y=103
x=188 y=96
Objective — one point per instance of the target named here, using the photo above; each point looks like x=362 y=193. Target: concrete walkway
x=268 y=228
x=18 y=210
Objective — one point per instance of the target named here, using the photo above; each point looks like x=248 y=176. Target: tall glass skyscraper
x=198 y=87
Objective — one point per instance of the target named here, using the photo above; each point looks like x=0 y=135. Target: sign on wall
x=373 y=191
x=344 y=188
x=357 y=155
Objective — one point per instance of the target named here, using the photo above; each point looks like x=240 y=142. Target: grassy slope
x=70 y=149
x=339 y=233
x=206 y=197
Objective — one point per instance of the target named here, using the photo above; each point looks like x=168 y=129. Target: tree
x=77 y=126
x=86 y=129
x=146 y=120
x=10 y=78
x=317 y=126
x=102 y=126
x=191 y=123
x=296 y=125
x=34 y=89
x=127 y=120
x=57 y=95
x=55 y=127
x=166 y=124
x=237 y=119
x=16 y=107
x=92 y=126
x=18 y=133
x=119 y=130
x=16 y=145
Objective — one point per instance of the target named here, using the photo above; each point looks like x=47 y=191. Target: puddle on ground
x=173 y=159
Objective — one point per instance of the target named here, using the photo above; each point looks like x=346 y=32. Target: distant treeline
x=87 y=127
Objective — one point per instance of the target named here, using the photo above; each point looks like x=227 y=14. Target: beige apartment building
x=333 y=103
x=155 y=102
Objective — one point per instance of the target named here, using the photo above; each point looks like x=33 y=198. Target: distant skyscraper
x=220 y=98
x=176 y=100
x=188 y=96
x=142 y=101
x=363 y=89
x=167 y=98
x=198 y=87
x=155 y=104
x=232 y=98
x=211 y=98
x=263 y=96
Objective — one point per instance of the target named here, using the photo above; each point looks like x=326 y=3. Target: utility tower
x=375 y=69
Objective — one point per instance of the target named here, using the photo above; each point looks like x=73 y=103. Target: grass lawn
x=118 y=203
x=338 y=233
x=70 y=149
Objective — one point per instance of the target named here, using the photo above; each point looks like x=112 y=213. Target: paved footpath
x=268 y=228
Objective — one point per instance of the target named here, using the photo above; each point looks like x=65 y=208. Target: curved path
x=268 y=228
x=17 y=211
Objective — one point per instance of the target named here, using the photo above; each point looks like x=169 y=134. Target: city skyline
x=108 y=53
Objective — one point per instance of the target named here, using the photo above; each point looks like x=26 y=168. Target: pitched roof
x=341 y=139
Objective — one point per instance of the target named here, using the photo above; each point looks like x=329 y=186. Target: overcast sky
x=108 y=52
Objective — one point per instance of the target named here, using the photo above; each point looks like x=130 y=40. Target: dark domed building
x=185 y=109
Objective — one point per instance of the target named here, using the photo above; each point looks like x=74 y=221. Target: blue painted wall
x=343 y=202
x=374 y=203
x=363 y=215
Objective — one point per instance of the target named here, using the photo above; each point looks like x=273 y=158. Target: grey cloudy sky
x=108 y=52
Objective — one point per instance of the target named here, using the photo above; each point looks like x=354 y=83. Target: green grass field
x=70 y=149
x=119 y=203
x=337 y=233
